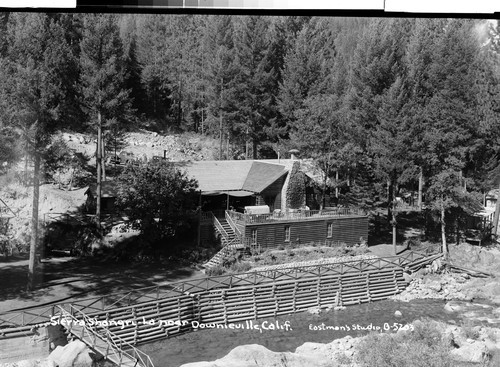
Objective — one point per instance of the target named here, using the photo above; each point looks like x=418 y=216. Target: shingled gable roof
x=262 y=175
x=244 y=175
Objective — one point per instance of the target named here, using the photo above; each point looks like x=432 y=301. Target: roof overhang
x=234 y=193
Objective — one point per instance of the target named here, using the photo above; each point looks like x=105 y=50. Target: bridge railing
x=116 y=349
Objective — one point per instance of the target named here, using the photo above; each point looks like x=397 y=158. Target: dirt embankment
x=52 y=202
x=145 y=144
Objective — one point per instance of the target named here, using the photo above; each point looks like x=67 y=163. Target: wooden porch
x=293 y=215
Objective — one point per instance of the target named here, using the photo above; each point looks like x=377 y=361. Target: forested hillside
x=379 y=104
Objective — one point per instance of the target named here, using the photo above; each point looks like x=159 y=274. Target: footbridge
x=113 y=325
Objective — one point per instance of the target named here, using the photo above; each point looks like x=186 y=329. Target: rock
x=398 y=314
x=74 y=354
x=257 y=355
x=475 y=352
x=31 y=363
x=314 y=310
x=435 y=286
x=453 y=306
x=496 y=300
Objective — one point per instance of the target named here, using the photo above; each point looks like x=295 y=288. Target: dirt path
x=65 y=278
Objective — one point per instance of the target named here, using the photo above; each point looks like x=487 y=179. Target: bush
x=422 y=347
x=215 y=271
x=470 y=331
x=240 y=267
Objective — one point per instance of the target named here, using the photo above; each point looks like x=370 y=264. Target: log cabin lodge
x=252 y=203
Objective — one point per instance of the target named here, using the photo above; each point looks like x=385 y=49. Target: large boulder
x=435 y=286
x=256 y=355
x=474 y=352
x=31 y=363
x=74 y=354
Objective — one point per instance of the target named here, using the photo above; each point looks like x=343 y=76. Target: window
x=329 y=232
x=254 y=236
x=287 y=233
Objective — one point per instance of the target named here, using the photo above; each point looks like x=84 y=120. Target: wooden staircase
x=229 y=242
x=230 y=235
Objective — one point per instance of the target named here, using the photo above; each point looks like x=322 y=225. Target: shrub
x=470 y=331
x=422 y=347
x=214 y=271
x=240 y=267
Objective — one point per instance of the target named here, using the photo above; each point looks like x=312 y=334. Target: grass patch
x=284 y=255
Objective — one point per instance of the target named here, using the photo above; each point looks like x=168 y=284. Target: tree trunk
x=34 y=225
x=227 y=147
x=323 y=193
x=254 y=148
x=71 y=179
x=179 y=105
x=202 y=122
x=420 y=187
x=26 y=169
x=99 y=172
x=393 y=221
x=443 y=232
x=494 y=230
x=103 y=158
x=337 y=183
x=220 y=136
x=394 y=232
x=390 y=198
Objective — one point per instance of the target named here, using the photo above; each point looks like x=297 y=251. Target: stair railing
x=221 y=229
x=233 y=226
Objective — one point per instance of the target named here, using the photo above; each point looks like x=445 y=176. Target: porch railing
x=292 y=215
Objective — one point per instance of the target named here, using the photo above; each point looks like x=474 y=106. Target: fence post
x=318 y=290
x=368 y=287
x=255 y=312
x=340 y=291
x=295 y=288
x=179 y=314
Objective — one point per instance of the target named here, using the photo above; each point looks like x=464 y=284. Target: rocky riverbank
x=445 y=286
x=468 y=345
x=438 y=282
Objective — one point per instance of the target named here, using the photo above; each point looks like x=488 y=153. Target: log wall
x=348 y=230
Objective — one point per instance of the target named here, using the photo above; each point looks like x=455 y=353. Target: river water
x=291 y=331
